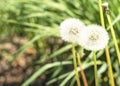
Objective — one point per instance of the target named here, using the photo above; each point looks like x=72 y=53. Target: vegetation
x=39 y=20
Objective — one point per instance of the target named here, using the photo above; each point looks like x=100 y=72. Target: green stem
x=82 y=71
x=101 y=14
x=106 y=48
x=109 y=67
x=95 y=68
x=114 y=37
x=75 y=65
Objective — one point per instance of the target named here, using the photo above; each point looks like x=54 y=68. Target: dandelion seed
x=94 y=37
x=70 y=29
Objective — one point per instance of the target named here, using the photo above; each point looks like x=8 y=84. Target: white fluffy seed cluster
x=70 y=29
x=92 y=37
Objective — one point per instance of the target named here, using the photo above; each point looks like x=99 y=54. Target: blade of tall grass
x=61 y=50
x=56 y=72
x=72 y=81
x=43 y=69
x=57 y=78
x=116 y=20
x=37 y=37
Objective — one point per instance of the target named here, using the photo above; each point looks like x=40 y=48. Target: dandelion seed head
x=70 y=29
x=94 y=37
x=105 y=4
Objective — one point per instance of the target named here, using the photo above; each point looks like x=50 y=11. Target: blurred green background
x=32 y=52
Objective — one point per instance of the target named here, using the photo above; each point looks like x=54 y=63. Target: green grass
x=39 y=20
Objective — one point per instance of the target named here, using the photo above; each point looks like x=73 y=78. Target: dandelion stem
x=106 y=48
x=82 y=71
x=114 y=37
x=75 y=65
x=95 y=68
x=101 y=14
x=109 y=67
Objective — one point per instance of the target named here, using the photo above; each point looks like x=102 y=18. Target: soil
x=15 y=73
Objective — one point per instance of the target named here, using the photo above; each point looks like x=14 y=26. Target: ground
x=14 y=73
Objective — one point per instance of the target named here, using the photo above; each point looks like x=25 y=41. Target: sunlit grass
x=38 y=21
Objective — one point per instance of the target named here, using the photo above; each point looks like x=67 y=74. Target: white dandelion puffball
x=94 y=37
x=70 y=29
